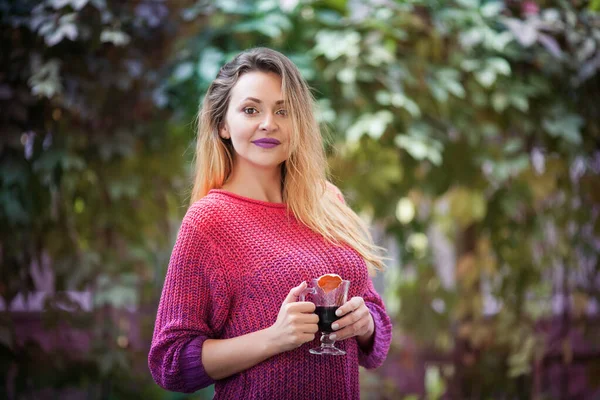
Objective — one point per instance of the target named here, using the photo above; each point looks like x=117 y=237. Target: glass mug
x=327 y=304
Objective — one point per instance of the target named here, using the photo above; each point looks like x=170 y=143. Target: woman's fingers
x=351 y=305
x=351 y=316
x=355 y=329
x=355 y=320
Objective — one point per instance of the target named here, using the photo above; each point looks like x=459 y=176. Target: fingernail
x=338 y=312
x=334 y=326
x=333 y=336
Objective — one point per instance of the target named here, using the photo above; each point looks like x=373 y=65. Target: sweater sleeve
x=374 y=356
x=193 y=307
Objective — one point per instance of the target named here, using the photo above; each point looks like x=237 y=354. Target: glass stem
x=326 y=340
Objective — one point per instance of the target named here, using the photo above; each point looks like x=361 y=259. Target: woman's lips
x=266 y=143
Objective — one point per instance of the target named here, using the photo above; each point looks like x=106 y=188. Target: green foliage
x=467 y=126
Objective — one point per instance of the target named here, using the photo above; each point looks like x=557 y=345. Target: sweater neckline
x=247 y=199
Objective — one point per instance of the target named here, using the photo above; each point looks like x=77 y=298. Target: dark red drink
x=326 y=318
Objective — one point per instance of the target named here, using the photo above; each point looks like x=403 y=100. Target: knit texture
x=234 y=262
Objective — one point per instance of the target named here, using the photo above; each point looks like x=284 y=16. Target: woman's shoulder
x=204 y=213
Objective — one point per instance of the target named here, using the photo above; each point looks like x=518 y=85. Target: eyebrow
x=254 y=99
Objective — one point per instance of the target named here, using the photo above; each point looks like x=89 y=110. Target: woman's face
x=257 y=121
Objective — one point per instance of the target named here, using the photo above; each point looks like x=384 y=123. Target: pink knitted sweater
x=234 y=262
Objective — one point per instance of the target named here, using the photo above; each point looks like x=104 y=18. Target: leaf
x=472 y=37
x=13 y=172
x=234 y=7
x=486 y=77
x=271 y=25
x=499 y=101
x=524 y=31
x=114 y=36
x=513 y=145
x=48 y=160
x=334 y=44
x=455 y=88
x=210 y=63
x=78 y=4
x=551 y=45
x=519 y=101
x=470 y=65
x=65 y=30
x=12 y=208
x=58 y=4
x=183 y=72
x=434 y=384
x=400 y=100
x=466 y=205
x=438 y=92
x=347 y=75
x=372 y=124
x=566 y=126
x=498 y=41
x=500 y=65
x=468 y=3
x=492 y=9
x=288 y=5
x=419 y=145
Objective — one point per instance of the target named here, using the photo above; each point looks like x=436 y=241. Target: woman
x=262 y=222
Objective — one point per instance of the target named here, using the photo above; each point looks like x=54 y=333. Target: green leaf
x=210 y=62
x=519 y=101
x=486 y=77
x=455 y=88
x=499 y=101
x=566 y=126
x=492 y=9
x=401 y=101
x=468 y=3
x=12 y=208
x=114 y=36
x=372 y=124
x=183 y=72
x=334 y=44
x=434 y=383
x=500 y=65
x=419 y=145
x=470 y=65
x=48 y=160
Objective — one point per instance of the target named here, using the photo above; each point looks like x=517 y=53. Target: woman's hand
x=296 y=323
x=356 y=321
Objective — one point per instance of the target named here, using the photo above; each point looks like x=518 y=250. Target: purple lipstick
x=266 y=143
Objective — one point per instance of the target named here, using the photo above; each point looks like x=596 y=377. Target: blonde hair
x=304 y=183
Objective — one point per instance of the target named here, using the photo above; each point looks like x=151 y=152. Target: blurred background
x=466 y=132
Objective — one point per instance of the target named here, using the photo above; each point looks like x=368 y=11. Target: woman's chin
x=267 y=164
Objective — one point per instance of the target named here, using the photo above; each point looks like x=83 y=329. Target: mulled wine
x=326 y=318
x=327 y=300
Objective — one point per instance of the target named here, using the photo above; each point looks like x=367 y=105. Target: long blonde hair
x=304 y=186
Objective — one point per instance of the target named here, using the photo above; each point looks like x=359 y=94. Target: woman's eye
x=282 y=112
x=250 y=110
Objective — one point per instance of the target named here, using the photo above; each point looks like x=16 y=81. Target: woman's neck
x=258 y=184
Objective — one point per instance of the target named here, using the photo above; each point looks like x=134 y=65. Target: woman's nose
x=268 y=123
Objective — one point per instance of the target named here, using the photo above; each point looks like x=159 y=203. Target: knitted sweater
x=234 y=262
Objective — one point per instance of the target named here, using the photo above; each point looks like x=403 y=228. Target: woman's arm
x=296 y=324
x=224 y=357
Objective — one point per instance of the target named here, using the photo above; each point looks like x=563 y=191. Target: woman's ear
x=224 y=133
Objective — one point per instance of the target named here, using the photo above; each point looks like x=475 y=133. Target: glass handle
x=308 y=290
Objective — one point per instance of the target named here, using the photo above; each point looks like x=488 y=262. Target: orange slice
x=329 y=282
